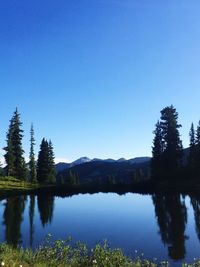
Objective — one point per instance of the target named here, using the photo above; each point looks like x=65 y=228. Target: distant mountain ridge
x=61 y=166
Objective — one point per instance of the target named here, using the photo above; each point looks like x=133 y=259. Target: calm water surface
x=160 y=226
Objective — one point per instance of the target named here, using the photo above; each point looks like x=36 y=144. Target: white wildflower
x=94 y=261
x=2 y=263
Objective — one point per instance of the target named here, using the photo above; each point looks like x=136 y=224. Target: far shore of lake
x=13 y=186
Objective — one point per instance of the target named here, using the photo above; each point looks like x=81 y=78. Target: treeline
x=41 y=170
x=169 y=160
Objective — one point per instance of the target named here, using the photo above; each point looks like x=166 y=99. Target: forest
x=170 y=162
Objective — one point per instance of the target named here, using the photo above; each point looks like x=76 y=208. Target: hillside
x=102 y=172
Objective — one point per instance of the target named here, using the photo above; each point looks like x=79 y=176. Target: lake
x=159 y=226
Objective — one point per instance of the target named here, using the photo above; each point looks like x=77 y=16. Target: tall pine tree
x=14 y=152
x=157 y=150
x=197 y=151
x=172 y=152
x=32 y=164
x=51 y=163
x=167 y=146
x=192 y=151
x=45 y=165
x=9 y=156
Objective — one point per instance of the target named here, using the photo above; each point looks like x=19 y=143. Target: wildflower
x=20 y=265
x=2 y=263
x=94 y=261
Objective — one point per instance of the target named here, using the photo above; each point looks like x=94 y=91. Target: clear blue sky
x=93 y=75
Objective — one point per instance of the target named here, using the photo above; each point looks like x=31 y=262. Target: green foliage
x=52 y=173
x=192 y=153
x=167 y=146
x=157 y=151
x=45 y=165
x=61 y=253
x=14 y=152
x=197 y=151
x=32 y=163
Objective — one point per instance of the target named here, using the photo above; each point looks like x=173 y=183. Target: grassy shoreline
x=61 y=253
x=12 y=186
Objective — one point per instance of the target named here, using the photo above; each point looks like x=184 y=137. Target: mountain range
x=122 y=171
x=61 y=166
x=103 y=171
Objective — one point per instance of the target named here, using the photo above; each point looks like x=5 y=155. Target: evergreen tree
x=9 y=156
x=157 y=150
x=43 y=162
x=192 y=153
x=45 y=165
x=197 y=151
x=14 y=152
x=32 y=164
x=167 y=146
x=52 y=173
x=171 y=137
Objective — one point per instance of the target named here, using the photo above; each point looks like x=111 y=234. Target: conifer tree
x=197 y=150
x=192 y=153
x=157 y=150
x=167 y=146
x=172 y=150
x=45 y=165
x=43 y=162
x=32 y=164
x=9 y=156
x=14 y=152
x=51 y=163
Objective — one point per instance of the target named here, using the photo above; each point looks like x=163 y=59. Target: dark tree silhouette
x=167 y=146
x=14 y=152
x=52 y=172
x=195 y=201
x=157 y=150
x=32 y=163
x=13 y=217
x=45 y=165
x=31 y=218
x=171 y=214
x=197 y=152
x=45 y=207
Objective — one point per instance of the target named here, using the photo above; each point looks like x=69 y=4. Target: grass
x=61 y=253
x=11 y=186
x=13 y=183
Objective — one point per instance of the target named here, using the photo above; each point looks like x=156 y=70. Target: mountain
x=108 y=171
x=80 y=161
x=139 y=160
x=63 y=166
x=105 y=172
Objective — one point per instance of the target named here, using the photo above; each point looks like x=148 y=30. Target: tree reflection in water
x=171 y=214
x=45 y=208
x=195 y=201
x=12 y=219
